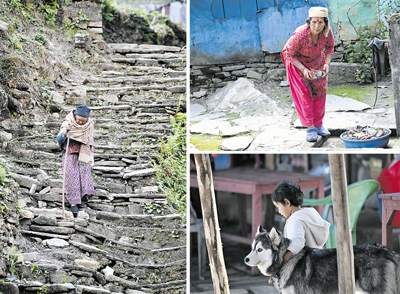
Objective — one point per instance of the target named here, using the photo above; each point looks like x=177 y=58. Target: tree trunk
x=345 y=256
x=211 y=225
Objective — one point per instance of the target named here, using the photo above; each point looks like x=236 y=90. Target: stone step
x=142 y=48
x=151 y=56
x=122 y=90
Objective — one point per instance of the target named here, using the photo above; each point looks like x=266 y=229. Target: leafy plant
x=41 y=39
x=360 y=52
x=171 y=165
x=152 y=208
x=12 y=259
x=107 y=10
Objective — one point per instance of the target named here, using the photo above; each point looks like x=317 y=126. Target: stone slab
x=55 y=243
x=196 y=109
x=236 y=144
x=211 y=127
x=234 y=131
x=338 y=103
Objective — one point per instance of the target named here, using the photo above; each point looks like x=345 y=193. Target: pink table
x=390 y=205
x=256 y=182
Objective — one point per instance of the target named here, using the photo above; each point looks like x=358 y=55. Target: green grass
x=206 y=142
x=350 y=91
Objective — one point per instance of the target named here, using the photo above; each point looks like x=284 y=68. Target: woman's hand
x=326 y=68
x=306 y=73
x=67 y=129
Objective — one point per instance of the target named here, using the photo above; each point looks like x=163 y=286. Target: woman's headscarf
x=320 y=12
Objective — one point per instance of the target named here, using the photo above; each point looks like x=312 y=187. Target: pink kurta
x=308 y=96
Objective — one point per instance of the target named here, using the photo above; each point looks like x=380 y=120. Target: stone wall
x=207 y=79
x=130 y=27
x=84 y=15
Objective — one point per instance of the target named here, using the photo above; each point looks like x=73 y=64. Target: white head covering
x=320 y=12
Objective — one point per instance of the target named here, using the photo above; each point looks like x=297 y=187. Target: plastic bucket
x=370 y=143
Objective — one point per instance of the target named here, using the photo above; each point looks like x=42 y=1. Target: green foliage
x=41 y=39
x=171 y=165
x=12 y=259
x=360 y=52
x=107 y=10
x=152 y=208
x=49 y=11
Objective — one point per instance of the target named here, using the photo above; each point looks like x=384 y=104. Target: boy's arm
x=296 y=233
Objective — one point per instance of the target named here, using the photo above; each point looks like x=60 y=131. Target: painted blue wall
x=231 y=31
x=224 y=32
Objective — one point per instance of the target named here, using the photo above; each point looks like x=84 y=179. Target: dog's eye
x=259 y=249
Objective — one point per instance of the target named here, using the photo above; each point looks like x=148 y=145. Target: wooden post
x=211 y=225
x=394 y=43
x=345 y=256
x=270 y=209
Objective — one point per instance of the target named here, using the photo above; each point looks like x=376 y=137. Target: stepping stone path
x=116 y=245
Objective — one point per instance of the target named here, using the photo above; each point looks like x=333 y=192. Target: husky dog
x=314 y=271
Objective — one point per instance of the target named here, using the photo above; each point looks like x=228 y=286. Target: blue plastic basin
x=370 y=143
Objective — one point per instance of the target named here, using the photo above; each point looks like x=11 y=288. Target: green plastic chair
x=357 y=193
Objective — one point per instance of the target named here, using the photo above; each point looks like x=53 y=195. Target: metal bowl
x=369 y=143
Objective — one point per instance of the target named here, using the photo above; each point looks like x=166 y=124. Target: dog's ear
x=275 y=236
x=260 y=230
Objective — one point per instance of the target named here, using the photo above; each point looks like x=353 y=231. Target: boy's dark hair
x=290 y=191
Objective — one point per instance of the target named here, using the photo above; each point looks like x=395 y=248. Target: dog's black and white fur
x=314 y=271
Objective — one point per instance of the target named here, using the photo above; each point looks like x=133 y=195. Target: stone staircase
x=127 y=239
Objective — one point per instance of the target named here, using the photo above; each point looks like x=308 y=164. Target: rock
x=233 y=67
x=278 y=74
x=234 y=131
x=198 y=94
x=212 y=127
x=91 y=264
x=65 y=224
x=284 y=84
x=242 y=97
x=273 y=58
x=27 y=214
x=87 y=248
x=5 y=287
x=27 y=182
x=5 y=137
x=55 y=288
x=92 y=290
x=108 y=169
x=107 y=216
x=48 y=220
x=140 y=173
x=83 y=41
x=33 y=189
x=30 y=256
x=45 y=190
x=53 y=229
x=57 y=97
x=196 y=72
x=130 y=291
x=236 y=144
x=55 y=243
x=254 y=75
x=196 y=109
x=3 y=26
x=125 y=283
x=108 y=271
x=341 y=72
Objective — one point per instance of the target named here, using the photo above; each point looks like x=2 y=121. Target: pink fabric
x=308 y=96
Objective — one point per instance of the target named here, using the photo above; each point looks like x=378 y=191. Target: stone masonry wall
x=207 y=79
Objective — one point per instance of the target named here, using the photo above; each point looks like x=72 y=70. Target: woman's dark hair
x=290 y=191
x=326 y=20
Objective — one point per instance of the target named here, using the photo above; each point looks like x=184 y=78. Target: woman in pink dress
x=309 y=49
